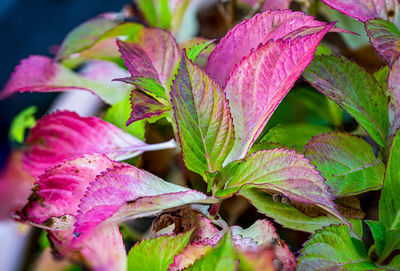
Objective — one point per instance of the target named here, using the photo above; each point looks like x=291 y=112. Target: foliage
x=305 y=176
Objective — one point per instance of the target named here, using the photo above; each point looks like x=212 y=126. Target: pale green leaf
x=156 y=254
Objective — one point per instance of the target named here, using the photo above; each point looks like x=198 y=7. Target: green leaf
x=156 y=12
x=194 y=52
x=149 y=86
x=378 y=231
x=290 y=217
x=178 y=14
x=119 y=113
x=24 y=120
x=382 y=76
x=395 y=263
x=392 y=243
x=202 y=116
x=280 y=171
x=221 y=257
x=319 y=104
x=322 y=49
x=332 y=248
x=85 y=36
x=389 y=204
x=354 y=90
x=347 y=163
x=290 y=135
x=157 y=253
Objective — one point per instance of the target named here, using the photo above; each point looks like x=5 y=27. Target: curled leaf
x=127 y=192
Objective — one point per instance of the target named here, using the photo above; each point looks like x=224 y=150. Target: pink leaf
x=101 y=249
x=59 y=190
x=364 y=10
x=260 y=82
x=127 y=192
x=155 y=55
x=66 y=135
x=270 y=4
x=15 y=185
x=42 y=74
x=393 y=89
x=273 y=24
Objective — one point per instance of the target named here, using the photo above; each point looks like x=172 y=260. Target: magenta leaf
x=273 y=24
x=280 y=171
x=59 y=190
x=393 y=90
x=42 y=74
x=15 y=185
x=66 y=135
x=205 y=128
x=53 y=205
x=126 y=193
x=364 y=10
x=385 y=38
x=155 y=55
x=260 y=82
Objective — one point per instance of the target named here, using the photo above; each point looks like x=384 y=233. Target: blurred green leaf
x=119 y=113
x=24 y=120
